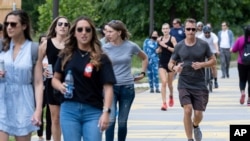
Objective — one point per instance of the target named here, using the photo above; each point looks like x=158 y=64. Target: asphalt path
x=148 y=123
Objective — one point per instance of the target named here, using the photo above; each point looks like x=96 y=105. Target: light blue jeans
x=123 y=96
x=79 y=120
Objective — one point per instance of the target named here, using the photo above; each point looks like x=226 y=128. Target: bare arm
x=108 y=97
x=38 y=85
x=173 y=67
x=144 y=59
x=57 y=84
x=217 y=48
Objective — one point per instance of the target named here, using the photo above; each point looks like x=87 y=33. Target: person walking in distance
x=213 y=44
x=199 y=29
x=120 y=50
x=56 y=36
x=85 y=115
x=150 y=46
x=226 y=40
x=177 y=30
x=21 y=82
x=42 y=38
x=193 y=93
x=243 y=69
x=166 y=43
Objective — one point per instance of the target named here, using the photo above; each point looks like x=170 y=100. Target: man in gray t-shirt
x=193 y=94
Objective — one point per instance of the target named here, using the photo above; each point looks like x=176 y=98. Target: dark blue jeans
x=123 y=98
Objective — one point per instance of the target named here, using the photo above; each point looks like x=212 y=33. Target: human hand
x=178 y=68
x=197 y=65
x=138 y=77
x=36 y=118
x=103 y=121
x=2 y=73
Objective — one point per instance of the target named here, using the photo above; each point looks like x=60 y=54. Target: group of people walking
x=103 y=84
x=197 y=50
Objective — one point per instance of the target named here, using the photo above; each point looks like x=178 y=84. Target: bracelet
x=143 y=73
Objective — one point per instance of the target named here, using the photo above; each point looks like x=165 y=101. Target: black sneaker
x=216 y=85
x=190 y=139
x=157 y=91
x=151 y=90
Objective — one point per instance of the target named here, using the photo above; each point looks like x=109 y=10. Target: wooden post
x=6 y=6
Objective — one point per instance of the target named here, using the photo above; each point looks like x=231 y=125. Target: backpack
x=246 y=54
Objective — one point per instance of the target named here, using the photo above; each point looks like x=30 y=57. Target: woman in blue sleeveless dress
x=20 y=104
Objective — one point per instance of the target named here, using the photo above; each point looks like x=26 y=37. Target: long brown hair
x=24 y=20
x=71 y=44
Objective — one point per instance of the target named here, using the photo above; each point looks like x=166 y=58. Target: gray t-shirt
x=121 y=58
x=190 y=78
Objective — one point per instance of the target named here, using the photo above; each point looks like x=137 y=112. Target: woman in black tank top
x=57 y=33
x=167 y=43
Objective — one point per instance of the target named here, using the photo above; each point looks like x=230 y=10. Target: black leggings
x=48 y=124
x=244 y=75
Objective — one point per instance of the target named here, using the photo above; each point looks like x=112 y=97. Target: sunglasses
x=87 y=29
x=12 y=24
x=62 y=23
x=207 y=32
x=193 y=29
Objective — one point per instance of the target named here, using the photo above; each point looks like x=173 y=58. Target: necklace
x=83 y=54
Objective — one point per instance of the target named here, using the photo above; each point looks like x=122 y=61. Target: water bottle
x=69 y=80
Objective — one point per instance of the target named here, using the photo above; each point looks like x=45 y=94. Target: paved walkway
x=148 y=123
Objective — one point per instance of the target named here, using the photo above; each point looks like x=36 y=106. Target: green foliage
x=135 y=13
x=31 y=7
x=67 y=8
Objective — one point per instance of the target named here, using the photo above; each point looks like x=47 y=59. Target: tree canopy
x=135 y=13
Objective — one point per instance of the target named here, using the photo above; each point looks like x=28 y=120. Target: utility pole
x=55 y=8
x=205 y=12
x=151 y=16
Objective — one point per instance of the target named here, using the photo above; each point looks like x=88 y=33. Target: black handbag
x=246 y=54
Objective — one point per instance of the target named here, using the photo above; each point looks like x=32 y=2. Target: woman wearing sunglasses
x=20 y=102
x=56 y=36
x=120 y=50
x=86 y=114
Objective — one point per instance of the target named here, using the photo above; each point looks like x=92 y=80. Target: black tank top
x=53 y=96
x=166 y=54
x=52 y=52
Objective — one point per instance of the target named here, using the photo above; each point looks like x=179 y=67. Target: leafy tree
x=31 y=7
x=67 y=8
x=135 y=13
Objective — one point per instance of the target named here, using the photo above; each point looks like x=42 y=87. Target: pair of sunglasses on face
x=193 y=29
x=62 y=23
x=12 y=24
x=87 y=29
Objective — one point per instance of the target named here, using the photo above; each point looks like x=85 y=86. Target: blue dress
x=17 y=100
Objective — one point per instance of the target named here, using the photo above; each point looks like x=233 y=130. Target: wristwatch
x=108 y=110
